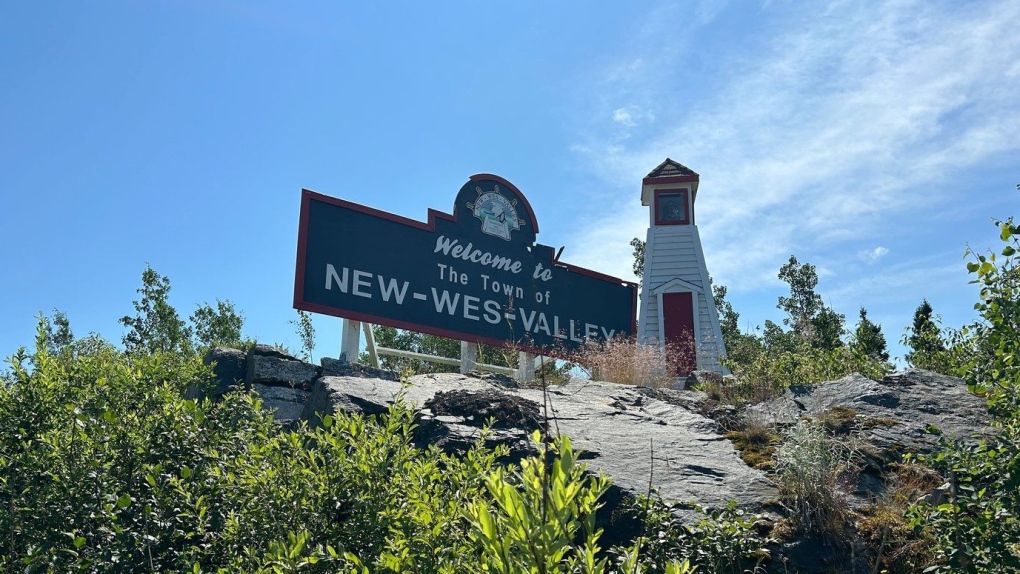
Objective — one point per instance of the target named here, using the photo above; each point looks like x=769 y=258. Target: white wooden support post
x=525 y=367
x=468 y=356
x=370 y=344
x=350 y=340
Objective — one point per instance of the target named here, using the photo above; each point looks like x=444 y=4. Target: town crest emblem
x=497 y=213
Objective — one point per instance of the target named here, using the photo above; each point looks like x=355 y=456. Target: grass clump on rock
x=755 y=440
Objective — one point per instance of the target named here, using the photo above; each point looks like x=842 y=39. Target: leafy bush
x=533 y=527
x=771 y=371
x=722 y=541
x=978 y=526
x=105 y=467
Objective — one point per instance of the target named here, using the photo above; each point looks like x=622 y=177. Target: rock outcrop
x=630 y=433
x=637 y=436
x=904 y=412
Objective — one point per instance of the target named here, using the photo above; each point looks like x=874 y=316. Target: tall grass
x=625 y=361
x=815 y=476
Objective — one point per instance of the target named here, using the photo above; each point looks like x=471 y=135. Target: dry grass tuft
x=900 y=548
x=755 y=440
x=622 y=360
x=839 y=420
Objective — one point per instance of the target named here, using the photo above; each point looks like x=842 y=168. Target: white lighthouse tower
x=677 y=308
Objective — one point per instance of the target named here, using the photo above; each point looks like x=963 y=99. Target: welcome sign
x=476 y=275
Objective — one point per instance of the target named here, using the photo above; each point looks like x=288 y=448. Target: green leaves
x=978 y=526
x=156 y=326
x=104 y=467
x=533 y=527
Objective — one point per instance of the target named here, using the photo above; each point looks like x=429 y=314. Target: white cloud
x=630 y=116
x=870 y=256
x=622 y=116
x=840 y=125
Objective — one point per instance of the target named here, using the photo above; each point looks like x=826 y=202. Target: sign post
x=476 y=275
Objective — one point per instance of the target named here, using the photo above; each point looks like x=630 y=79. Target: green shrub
x=978 y=526
x=722 y=541
x=770 y=372
x=104 y=467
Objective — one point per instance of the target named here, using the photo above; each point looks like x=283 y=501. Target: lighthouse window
x=671 y=207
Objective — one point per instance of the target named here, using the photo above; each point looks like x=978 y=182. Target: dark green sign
x=477 y=275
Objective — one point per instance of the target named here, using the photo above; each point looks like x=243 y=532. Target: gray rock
x=496 y=378
x=271 y=351
x=229 y=369
x=287 y=403
x=628 y=433
x=894 y=414
x=277 y=371
x=341 y=368
x=702 y=377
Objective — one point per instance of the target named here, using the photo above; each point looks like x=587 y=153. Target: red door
x=678 y=314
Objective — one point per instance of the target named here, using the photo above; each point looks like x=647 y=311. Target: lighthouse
x=677 y=309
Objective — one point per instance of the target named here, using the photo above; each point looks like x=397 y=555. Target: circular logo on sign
x=497 y=213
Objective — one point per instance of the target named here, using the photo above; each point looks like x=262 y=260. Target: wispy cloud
x=829 y=134
x=870 y=256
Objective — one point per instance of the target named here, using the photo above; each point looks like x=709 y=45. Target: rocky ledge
x=637 y=436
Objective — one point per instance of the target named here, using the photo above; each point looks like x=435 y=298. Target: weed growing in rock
x=815 y=474
x=755 y=440
x=899 y=547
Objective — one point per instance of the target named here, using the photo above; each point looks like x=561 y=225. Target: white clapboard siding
x=674 y=252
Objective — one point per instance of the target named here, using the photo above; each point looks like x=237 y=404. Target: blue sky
x=875 y=140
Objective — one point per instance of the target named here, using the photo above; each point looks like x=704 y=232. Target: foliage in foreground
x=977 y=526
x=105 y=467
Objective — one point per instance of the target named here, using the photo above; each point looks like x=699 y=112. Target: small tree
x=827 y=329
x=639 y=256
x=868 y=338
x=924 y=337
x=306 y=332
x=811 y=320
x=776 y=340
x=803 y=304
x=219 y=326
x=156 y=326
x=55 y=331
